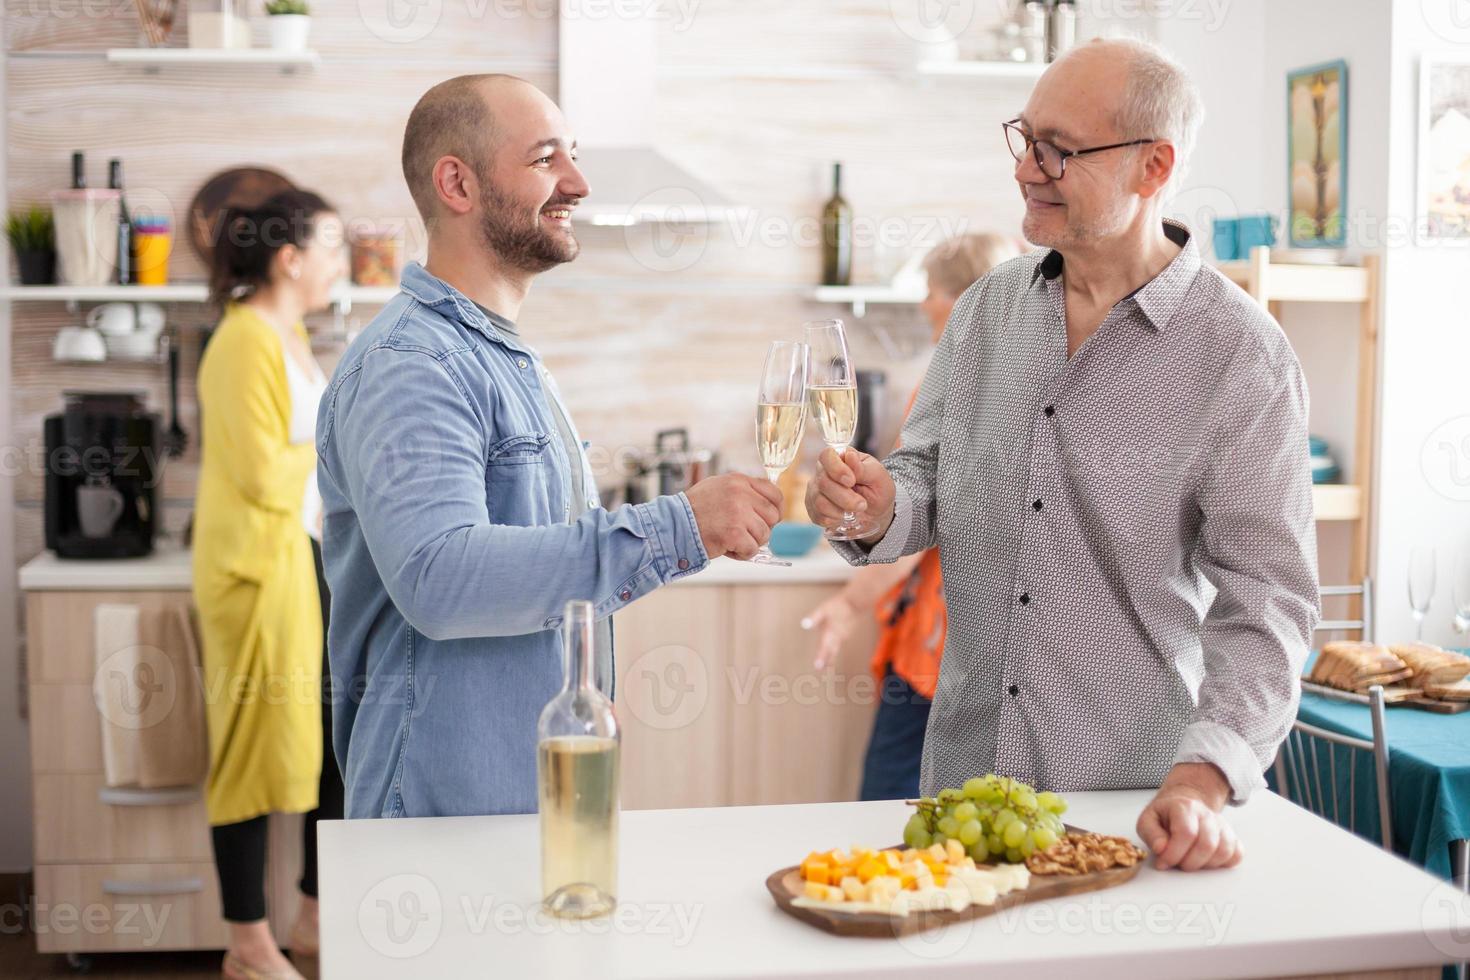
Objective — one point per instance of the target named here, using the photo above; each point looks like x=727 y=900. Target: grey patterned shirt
x=1126 y=535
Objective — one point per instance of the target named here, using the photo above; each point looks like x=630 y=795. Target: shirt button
x=1050 y=410
x=522 y=364
x=1036 y=504
x=1025 y=598
x=683 y=563
x=1015 y=690
x=625 y=595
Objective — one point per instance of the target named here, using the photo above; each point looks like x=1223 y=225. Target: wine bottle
x=836 y=235
x=124 y=224
x=577 y=782
x=78 y=171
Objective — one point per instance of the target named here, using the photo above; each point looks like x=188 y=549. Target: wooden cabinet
x=119 y=869
x=720 y=704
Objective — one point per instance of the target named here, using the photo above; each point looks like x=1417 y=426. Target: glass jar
x=577 y=755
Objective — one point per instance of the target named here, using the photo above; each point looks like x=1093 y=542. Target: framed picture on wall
x=1316 y=155
x=1444 y=152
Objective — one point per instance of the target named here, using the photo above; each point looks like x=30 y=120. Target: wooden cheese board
x=785 y=886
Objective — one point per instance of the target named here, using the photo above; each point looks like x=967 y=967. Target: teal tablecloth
x=1428 y=773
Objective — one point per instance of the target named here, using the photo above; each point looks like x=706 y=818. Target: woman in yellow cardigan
x=257 y=578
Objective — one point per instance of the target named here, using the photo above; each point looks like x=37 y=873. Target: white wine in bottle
x=835 y=407
x=778 y=435
x=578 y=777
x=577 y=783
x=836 y=235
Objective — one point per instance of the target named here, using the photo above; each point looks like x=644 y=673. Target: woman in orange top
x=908 y=595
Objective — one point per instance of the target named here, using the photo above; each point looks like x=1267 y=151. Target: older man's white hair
x=1160 y=101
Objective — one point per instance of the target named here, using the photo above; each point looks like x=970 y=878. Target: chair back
x=1307 y=768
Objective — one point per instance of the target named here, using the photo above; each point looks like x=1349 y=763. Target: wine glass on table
x=1460 y=589
x=780 y=417
x=1421 y=585
x=832 y=390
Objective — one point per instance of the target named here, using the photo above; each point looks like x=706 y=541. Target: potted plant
x=290 y=24
x=32 y=235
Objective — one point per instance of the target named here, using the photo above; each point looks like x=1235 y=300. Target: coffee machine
x=102 y=470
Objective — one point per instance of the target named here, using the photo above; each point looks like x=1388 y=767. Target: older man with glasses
x=1110 y=451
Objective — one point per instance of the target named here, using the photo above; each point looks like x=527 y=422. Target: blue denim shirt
x=450 y=555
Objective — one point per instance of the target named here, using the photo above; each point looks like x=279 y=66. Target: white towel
x=148 y=692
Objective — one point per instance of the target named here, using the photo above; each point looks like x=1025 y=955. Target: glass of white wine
x=832 y=390
x=780 y=417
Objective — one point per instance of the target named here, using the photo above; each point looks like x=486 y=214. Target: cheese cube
x=852 y=889
x=954 y=851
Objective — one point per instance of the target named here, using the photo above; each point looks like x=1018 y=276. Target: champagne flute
x=832 y=388
x=1421 y=585
x=780 y=416
x=1460 y=590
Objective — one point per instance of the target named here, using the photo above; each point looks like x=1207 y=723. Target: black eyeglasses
x=1051 y=158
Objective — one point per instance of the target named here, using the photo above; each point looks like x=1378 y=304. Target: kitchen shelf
x=1273 y=283
x=1337 y=502
x=860 y=296
x=983 y=69
x=155 y=58
x=184 y=292
x=1299 y=283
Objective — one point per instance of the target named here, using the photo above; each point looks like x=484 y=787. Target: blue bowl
x=790 y=539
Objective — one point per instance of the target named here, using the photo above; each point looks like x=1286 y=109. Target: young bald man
x=460 y=511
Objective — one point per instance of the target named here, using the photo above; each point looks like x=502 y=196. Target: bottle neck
x=579 y=646
x=836 y=179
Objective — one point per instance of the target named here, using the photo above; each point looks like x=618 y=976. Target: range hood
x=607 y=86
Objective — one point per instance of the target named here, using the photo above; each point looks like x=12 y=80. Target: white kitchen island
x=458 y=897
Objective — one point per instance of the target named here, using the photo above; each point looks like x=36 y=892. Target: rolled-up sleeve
x=414 y=469
x=1258 y=548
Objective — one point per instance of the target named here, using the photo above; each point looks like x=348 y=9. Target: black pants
x=239 y=848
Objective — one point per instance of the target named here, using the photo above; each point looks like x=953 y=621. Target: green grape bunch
x=996 y=818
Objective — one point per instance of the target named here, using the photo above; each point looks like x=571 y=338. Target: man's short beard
x=530 y=248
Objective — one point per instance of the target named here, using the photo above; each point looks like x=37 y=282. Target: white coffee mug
x=150 y=318
x=79 y=344
x=98 y=508
x=113 y=319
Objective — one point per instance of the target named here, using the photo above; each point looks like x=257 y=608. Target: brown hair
x=955 y=263
x=451 y=119
x=249 y=238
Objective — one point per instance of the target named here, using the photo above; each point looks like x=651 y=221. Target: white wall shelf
x=860 y=296
x=183 y=292
x=156 y=58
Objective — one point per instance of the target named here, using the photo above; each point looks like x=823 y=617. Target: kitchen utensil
x=671 y=467
x=152 y=244
x=237 y=187
x=113 y=319
x=792 y=539
x=86 y=223
x=786 y=885
x=99 y=505
x=175 y=439
x=157 y=18
x=78 y=344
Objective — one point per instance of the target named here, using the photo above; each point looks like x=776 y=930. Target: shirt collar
x=1159 y=298
x=432 y=291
